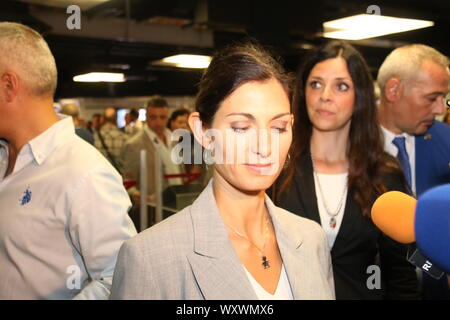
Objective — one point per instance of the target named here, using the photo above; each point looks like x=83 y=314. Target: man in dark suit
x=414 y=82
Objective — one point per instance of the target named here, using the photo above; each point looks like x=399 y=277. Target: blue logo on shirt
x=26 y=197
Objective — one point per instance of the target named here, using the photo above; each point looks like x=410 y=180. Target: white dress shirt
x=63 y=218
x=165 y=152
x=410 y=143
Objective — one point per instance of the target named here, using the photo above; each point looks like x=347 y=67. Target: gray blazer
x=189 y=256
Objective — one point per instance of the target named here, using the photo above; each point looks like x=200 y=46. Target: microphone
x=394 y=214
x=432 y=225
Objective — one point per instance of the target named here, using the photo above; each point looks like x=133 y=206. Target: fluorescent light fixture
x=186 y=61
x=365 y=26
x=100 y=77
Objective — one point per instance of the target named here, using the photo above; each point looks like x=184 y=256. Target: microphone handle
x=420 y=261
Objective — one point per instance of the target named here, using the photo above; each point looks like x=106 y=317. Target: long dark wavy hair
x=367 y=160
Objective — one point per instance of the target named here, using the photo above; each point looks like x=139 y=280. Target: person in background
x=63 y=206
x=232 y=242
x=132 y=123
x=73 y=111
x=154 y=136
x=179 y=119
x=337 y=170
x=96 y=122
x=109 y=140
x=414 y=81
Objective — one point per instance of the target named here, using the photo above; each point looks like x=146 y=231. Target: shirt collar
x=154 y=138
x=3 y=144
x=389 y=135
x=4 y=151
x=43 y=144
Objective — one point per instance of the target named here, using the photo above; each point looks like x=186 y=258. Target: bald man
x=414 y=82
x=72 y=110
x=63 y=208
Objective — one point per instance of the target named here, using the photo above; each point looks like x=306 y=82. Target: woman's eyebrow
x=251 y=117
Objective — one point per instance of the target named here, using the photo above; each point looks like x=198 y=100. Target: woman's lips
x=260 y=168
x=261 y=165
x=324 y=112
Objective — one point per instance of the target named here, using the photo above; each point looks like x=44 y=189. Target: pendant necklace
x=332 y=214
x=264 y=261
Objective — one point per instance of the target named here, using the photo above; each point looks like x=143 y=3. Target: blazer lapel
x=304 y=179
x=351 y=213
x=215 y=264
x=296 y=264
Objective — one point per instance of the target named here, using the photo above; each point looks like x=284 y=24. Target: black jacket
x=359 y=243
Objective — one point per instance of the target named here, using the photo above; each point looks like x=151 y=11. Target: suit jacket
x=131 y=155
x=433 y=157
x=359 y=243
x=189 y=256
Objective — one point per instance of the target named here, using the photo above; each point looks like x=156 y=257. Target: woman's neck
x=243 y=211
x=329 y=151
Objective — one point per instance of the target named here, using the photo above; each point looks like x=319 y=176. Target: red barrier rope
x=191 y=177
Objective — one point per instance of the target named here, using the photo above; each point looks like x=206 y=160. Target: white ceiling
x=83 y=4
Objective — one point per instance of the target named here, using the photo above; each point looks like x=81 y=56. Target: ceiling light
x=185 y=61
x=100 y=77
x=365 y=26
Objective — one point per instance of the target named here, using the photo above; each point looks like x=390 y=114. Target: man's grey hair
x=404 y=63
x=24 y=52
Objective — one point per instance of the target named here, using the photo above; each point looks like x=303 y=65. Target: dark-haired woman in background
x=179 y=119
x=232 y=242
x=338 y=168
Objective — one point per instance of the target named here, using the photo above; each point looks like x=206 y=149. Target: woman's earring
x=287 y=162
x=208 y=156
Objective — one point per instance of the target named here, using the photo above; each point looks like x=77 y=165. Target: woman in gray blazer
x=232 y=242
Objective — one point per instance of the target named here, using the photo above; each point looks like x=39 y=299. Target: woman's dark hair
x=367 y=160
x=177 y=113
x=232 y=67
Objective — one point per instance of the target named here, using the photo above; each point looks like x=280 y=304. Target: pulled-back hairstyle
x=232 y=67
x=367 y=159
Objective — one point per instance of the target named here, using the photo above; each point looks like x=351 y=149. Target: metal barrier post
x=158 y=185
x=143 y=188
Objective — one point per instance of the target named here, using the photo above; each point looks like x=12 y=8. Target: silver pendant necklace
x=264 y=261
x=332 y=214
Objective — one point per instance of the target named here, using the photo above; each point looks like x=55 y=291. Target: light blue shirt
x=63 y=218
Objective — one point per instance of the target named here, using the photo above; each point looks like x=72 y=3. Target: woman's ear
x=199 y=132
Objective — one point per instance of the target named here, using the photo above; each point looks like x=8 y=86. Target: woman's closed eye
x=280 y=126
x=240 y=126
x=280 y=129
x=239 y=129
